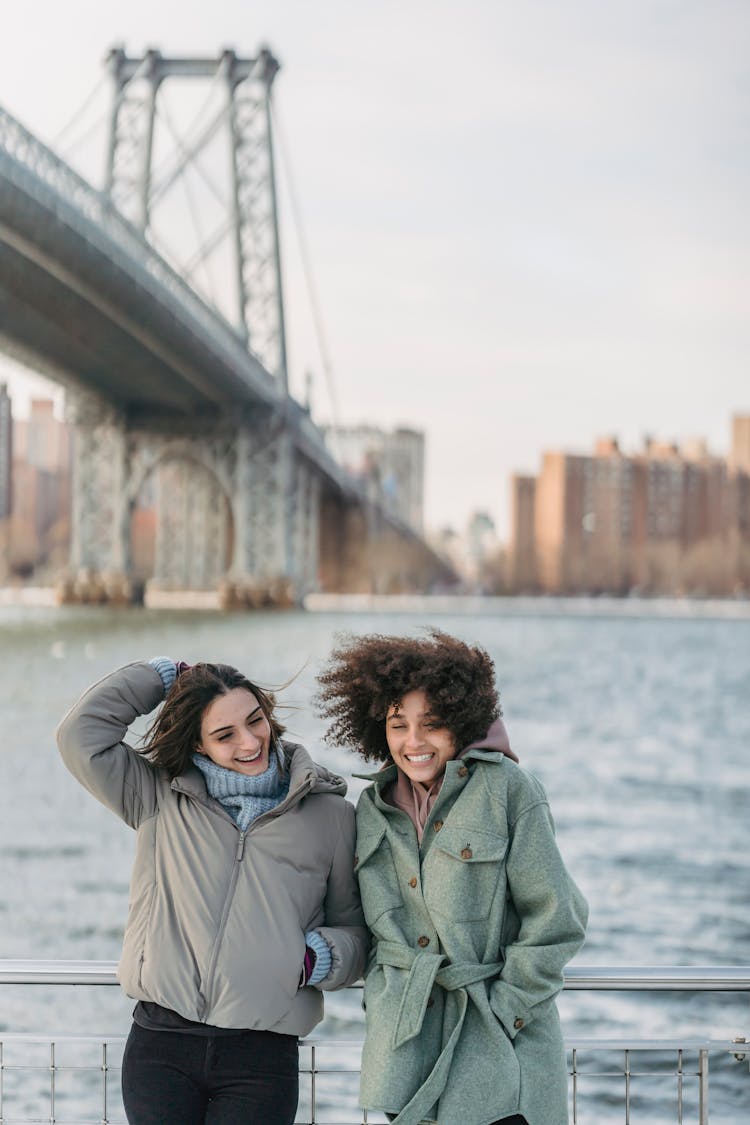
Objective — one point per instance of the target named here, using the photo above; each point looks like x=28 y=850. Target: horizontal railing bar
x=635 y=978
x=659 y=978
x=58 y=972
x=632 y=1044
x=628 y=1044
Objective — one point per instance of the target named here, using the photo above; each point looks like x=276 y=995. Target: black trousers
x=174 y=1078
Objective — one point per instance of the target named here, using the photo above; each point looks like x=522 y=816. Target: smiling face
x=235 y=733
x=420 y=744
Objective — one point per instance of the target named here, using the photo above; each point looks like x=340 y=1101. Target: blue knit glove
x=317 y=962
x=167 y=669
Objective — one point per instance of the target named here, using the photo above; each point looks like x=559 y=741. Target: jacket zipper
x=239 y=853
x=238 y=856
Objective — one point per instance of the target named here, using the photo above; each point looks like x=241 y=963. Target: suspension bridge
x=163 y=384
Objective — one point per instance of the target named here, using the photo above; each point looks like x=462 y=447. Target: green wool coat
x=471 y=931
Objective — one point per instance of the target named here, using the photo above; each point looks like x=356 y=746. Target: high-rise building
x=42 y=440
x=389 y=463
x=558 y=521
x=739 y=458
x=522 y=573
x=6 y=452
x=664 y=518
x=41 y=488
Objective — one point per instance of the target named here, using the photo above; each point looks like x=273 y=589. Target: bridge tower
x=251 y=220
x=252 y=493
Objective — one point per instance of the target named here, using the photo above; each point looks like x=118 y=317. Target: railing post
x=104 y=1084
x=703 y=1087
x=52 y=1083
x=312 y=1084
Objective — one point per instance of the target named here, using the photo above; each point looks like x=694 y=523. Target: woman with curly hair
x=472 y=912
x=243 y=902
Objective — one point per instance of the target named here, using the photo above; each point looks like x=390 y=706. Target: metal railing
x=330 y=1067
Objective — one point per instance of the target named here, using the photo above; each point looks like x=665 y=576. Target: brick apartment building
x=6 y=452
x=666 y=519
x=40 y=463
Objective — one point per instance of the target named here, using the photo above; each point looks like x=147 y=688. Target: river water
x=638 y=725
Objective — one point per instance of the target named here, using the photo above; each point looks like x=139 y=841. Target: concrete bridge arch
x=192 y=498
x=237 y=506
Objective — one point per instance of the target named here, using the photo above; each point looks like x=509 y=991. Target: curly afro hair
x=367 y=675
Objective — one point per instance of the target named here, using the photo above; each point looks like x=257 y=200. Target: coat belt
x=424 y=970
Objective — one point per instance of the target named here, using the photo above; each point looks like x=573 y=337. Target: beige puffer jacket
x=217 y=917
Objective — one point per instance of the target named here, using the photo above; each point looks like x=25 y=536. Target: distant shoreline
x=45 y=597
x=539 y=605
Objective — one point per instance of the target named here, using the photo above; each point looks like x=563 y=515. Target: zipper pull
x=240 y=847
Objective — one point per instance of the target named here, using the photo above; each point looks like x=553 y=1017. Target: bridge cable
x=182 y=175
x=190 y=154
x=186 y=151
x=307 y=269
x=93 y=93
x=67 y=152
x=219 y=234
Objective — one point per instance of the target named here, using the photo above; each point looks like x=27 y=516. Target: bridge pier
x=237 y=509
x=275 y=503
x=240 y=511
x=193 y=528
x=100 y=542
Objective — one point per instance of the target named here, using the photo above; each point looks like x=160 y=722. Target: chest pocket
x=376 y=872
x=463 y=870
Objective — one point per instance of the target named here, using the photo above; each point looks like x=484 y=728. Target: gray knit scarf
x=245 y=798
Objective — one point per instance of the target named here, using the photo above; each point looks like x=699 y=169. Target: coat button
x=518 y=1024
x=463 y=771
x=413 y=881
x=430 y=1002
x=423 y=941
x=438 y=825
x=466 y=853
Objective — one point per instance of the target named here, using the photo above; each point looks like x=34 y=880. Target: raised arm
x=90 y=740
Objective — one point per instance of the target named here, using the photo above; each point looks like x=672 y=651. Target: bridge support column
x=260 y=573
x=192 y=528
x=100 y=543
x=275 y=502
x=305 y=530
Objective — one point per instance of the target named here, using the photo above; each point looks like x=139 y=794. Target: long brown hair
x=175 y=734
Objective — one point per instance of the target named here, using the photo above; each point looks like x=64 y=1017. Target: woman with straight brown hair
x=243 y=902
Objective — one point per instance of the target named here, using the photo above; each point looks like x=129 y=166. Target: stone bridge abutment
x=240 y=510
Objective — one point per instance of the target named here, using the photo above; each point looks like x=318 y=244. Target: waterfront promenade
x=637 y=725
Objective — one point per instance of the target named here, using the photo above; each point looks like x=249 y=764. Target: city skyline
x=667 y=518
x=528 y=225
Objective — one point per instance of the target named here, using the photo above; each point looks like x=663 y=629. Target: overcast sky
x=528 y=220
